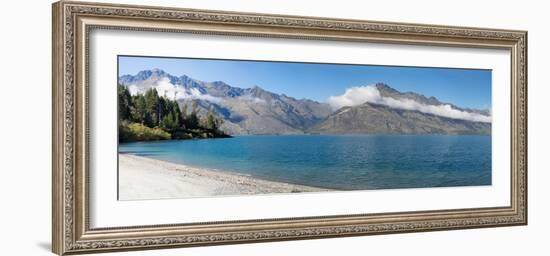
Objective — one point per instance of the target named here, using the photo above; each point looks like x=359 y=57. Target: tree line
x=149 y=116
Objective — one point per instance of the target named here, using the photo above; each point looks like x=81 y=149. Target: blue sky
x=462 y=87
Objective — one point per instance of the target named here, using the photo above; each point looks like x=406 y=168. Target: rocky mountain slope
x=373 y=118
x=245 y=111
x=258 y=111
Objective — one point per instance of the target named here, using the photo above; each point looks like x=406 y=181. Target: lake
x=344 y=162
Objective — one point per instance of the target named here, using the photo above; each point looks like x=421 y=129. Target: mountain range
x=258 y=111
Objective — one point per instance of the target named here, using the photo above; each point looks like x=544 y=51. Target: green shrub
x=138 y=132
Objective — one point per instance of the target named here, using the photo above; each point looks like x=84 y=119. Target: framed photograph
x=179 y=127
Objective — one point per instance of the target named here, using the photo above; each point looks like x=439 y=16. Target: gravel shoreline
x=145 y=178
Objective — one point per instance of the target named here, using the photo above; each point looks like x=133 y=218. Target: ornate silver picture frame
x=74 y=21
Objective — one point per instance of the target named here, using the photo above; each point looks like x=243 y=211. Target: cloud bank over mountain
x=258 y=111
x=170 y=90
x=243 y=110
x=358 y=95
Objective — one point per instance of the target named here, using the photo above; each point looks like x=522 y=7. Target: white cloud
x=166 y=88
x=194 y=93
x=355 y=96
x=358 y=95
x=252 y=99
x=134 y=89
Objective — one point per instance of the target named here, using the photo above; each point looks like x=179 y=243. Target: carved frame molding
x=72 y=22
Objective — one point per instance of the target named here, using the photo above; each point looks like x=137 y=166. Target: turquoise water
x=353 y=162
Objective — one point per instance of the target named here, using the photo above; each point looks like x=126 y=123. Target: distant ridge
x=258 y=111
x=245 y=111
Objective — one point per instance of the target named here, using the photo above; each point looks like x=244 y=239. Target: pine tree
x=193 y=119
x=211 y=121
x=176 y=114
x=152 y=111
x=183 y=123
x=124 y=103
x=152 y=107
x=140 y=114
x=171 y=116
